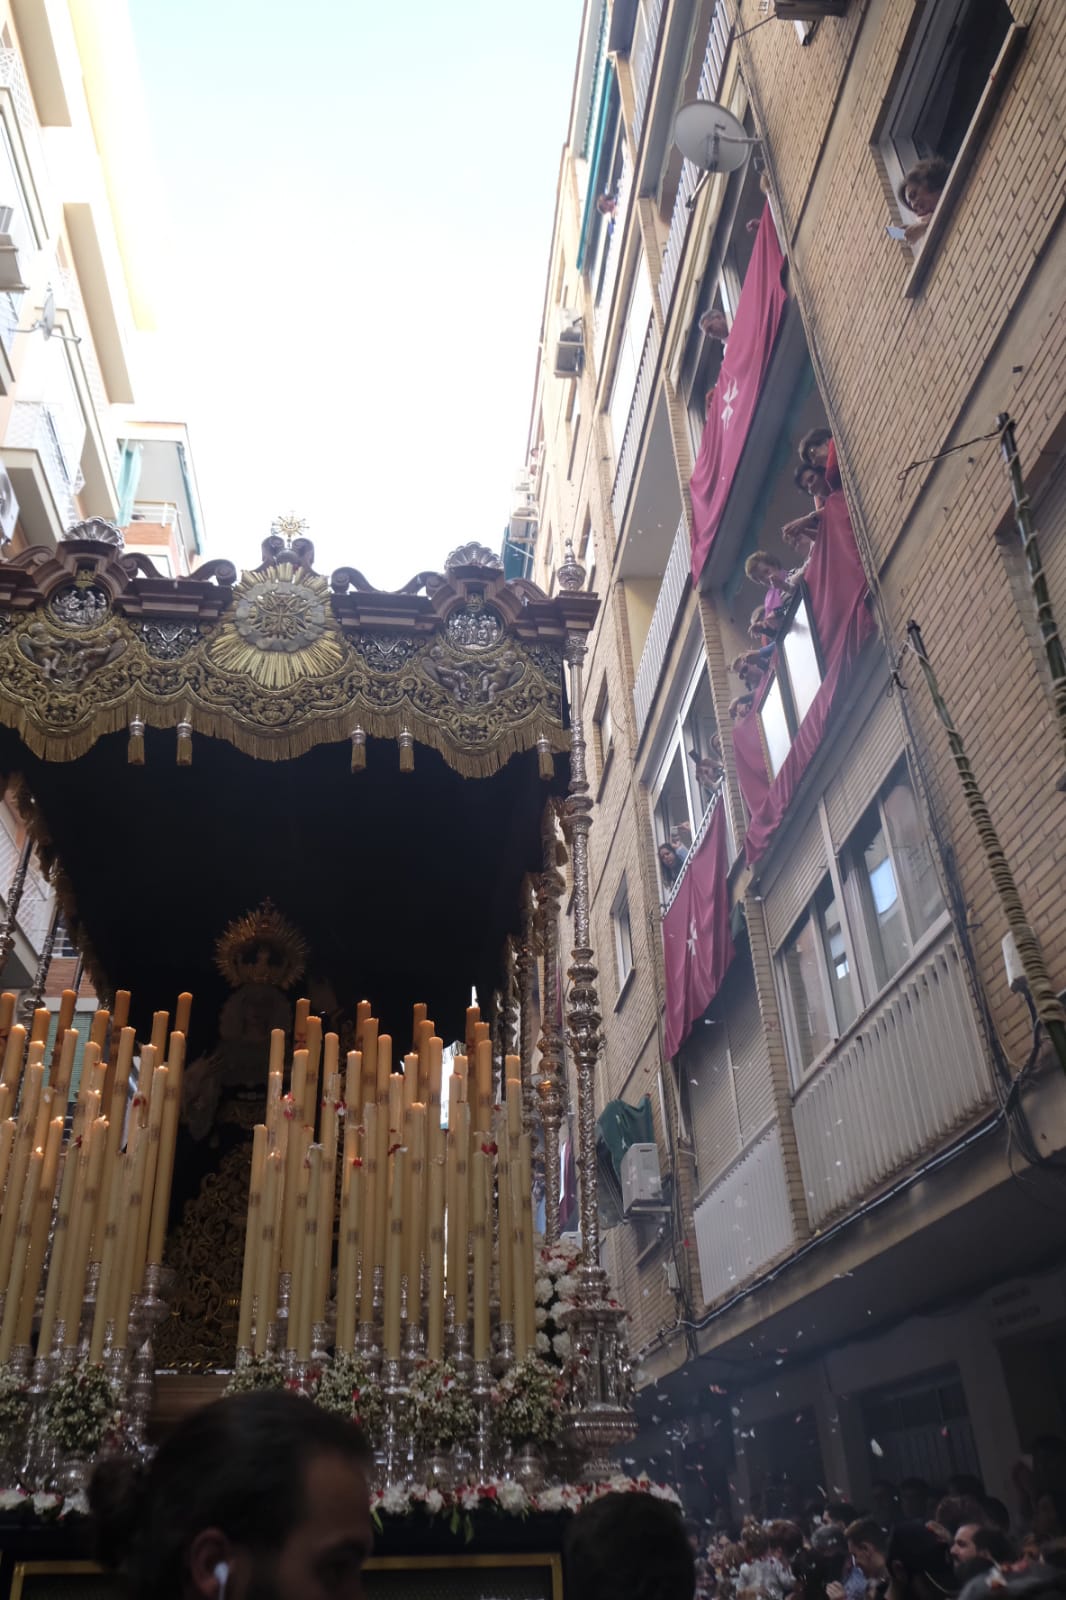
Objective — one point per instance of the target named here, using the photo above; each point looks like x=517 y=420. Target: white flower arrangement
x=442 y=1412
x=527 y=1402
x=503 y=1495
x=12 y=1405
x=555 y=1289
x=259 y=1372
x=81 y=1410
x=349 y=1389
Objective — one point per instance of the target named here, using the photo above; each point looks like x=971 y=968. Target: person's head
x=786 y=1540
x=963 y=1547
x=884 y=1501
x=923 y=185
x=739 y=708
x=756 y=1541
x=762 y=568
x=914 y=1497
x=714 y=324
x=708 y=771
x=956 y=1509
x=814 y=447
x=616 y=1549
x=605 y=205
x=919 y=1564
x=812 y=480
x=867 y=1542
x=998 y=1546
x=840 y=1512
x=667 y=855
x=829 y=1550
x=260 y=1496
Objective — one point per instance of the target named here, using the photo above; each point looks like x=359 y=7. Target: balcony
x=42 y=480
x=629 y=451
x=674 y=587
x=642 y=62
x=744 y=1223
x=711 y=77
x=909 y=1074
x=16 y=107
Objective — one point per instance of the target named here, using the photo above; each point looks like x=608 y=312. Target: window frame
x=622 y=931
x=782 y=674
x=813 y=914
x=674 y=743
x=602 y=719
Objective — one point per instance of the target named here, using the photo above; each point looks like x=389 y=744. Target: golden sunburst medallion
x=281 y=629
x=261 y=947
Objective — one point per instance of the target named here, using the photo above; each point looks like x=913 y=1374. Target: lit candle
x=435 y=1218
x=20 y=1160
x=273 y=1107
x=363 y=1012
x=60 y=1242
x=298 y=1085
x=160 y=1024
x=252 y=1231
x=168 y=1136
x=479 y=1188
x=394 y=1260
x=353 y=1087
x=300 y=1138
x=459 y=1142
x=395 y=1109
x=368 y=1047
x=384 y=1138
x=156 y=1109
x=182 y=1013
x=410 y=1079
x=300 y=1263
x=39 y=1224
x=415 y=1207
x=129 y=1268
x=26 y=1207
x=67 y=1002
x=266 y=1277
x=11 y=1075
x=311 y=1309
x=299 y=1026
x=371 y=1200
x=473 y=1016
x=483 y=1079
x=314 y=1061
x=421 y=1012
x=506 y=1250
x=276 y=1062
x=435 y=1068
x=327 y=1182
x=42 y=1021
x=348 y=1238
x=109 y=1280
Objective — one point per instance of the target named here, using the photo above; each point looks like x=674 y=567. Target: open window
x=623 y=936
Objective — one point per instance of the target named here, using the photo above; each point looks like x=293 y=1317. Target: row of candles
x=89 y=1187
x=420 y=1212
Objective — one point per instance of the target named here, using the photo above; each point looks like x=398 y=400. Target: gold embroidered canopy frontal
x=280 y=659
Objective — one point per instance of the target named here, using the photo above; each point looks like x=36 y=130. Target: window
x=890 y=878
x=818 y=979
x=952 y=53
x=685 y=785
x=623 y=936
x=875 y=904
x=701 y=749
x=630 y=351
x=796 y=681
x=603 y=729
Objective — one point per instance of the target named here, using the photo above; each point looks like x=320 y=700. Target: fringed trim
x=289 y=744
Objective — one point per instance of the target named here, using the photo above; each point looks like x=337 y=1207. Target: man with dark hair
x=867 y=1542
x=813 y=481
x=629 y=1547
x=920 y=192
x=260 y=1496
x=919 y=1564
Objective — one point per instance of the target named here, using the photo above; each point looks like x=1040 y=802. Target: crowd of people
x=913 y=1542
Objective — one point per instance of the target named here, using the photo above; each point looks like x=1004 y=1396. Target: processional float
x=273 y=779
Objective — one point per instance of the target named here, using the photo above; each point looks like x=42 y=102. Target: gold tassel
x=407 y=752
x=545 y=759
x=358 y=749
x=184 y=744
x=135 y=744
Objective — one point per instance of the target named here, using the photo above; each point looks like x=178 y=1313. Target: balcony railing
x=32 y=427
x=710 y=83
x=634 y=431
x=910 y=1073
x=643 y=65
x=615 y=237
x=671 y=594
x=35 y=907
x=745 y=1222
x=162 y=513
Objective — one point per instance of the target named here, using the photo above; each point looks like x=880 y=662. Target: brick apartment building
x=856 y=1271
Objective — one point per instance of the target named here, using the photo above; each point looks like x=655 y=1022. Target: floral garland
x=349 y=1389
x=527 y=1401
x=81 y=1410
x=442 y=1412
x=554 y=1291
x=458 y=1506
x=12 y=1405
x=259 y=1372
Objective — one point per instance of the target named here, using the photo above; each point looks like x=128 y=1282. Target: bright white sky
x=361 y=197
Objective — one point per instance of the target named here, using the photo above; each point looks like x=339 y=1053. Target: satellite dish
x=46 y=322
x=711 y=137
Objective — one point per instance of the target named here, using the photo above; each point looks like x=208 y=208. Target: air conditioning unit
x=570 y=346
x=642 y=1186
x=809 y=10
x=9 y=508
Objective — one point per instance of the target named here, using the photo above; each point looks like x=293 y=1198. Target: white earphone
x=222 y=1574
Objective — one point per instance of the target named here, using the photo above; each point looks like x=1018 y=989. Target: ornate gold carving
x=281 y=629
x=261 y=947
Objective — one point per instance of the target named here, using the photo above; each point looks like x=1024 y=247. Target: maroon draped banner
x=836 y=584
x=732 y=402
x=697 y=941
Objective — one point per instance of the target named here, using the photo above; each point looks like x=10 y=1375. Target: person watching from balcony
x=818 y=449
x=708 y=773
x=681 y=837
x=767 y=570
x=800 y=535
x=670 y=862
x=751 y=668
x=606 y=205
x=714 y=324
x=739 y=708
x=761 y=632
x=920 y=192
